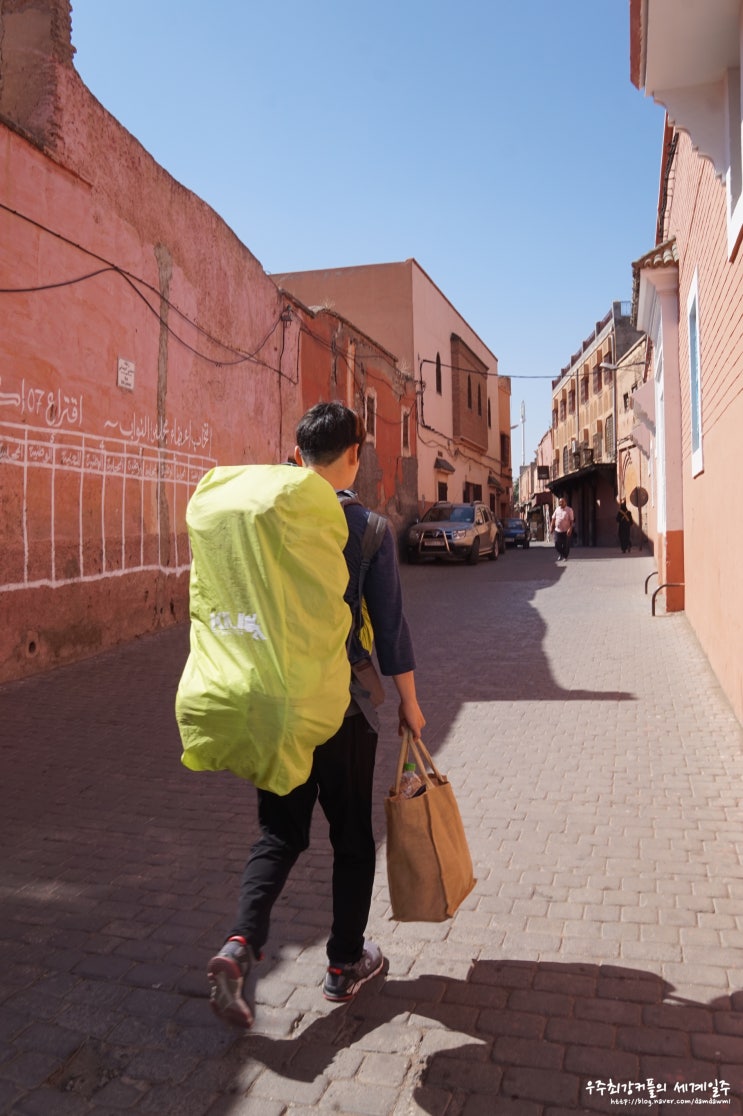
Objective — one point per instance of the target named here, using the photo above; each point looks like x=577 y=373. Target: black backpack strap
x=374 y=532
x=371 y=540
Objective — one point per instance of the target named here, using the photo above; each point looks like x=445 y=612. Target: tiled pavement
x=599 y=772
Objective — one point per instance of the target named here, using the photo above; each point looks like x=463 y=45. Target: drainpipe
x=666 y=286
x=612 y=338
x=351 y=377
x=577 y=408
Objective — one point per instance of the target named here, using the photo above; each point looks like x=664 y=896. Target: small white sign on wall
x=125 y=375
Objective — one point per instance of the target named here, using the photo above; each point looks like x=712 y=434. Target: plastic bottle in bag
x=411 y=783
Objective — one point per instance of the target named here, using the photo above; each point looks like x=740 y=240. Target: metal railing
x=665 y=585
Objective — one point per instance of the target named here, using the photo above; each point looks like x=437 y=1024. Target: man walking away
x=329 y=441
x=562 y=525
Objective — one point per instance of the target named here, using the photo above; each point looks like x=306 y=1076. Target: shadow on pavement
x=120 y=871
x=571 y=1037
x=480 y=626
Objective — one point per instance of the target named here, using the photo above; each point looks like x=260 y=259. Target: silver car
x=448 y=530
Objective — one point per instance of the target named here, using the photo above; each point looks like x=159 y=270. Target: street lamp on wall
x=605 y=365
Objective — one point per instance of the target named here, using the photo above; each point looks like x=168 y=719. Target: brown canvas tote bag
x=429 y=867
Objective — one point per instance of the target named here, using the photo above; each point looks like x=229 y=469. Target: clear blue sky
x=499 y=142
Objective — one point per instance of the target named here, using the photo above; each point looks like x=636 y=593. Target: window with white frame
x=695 y=378
x=734 y=157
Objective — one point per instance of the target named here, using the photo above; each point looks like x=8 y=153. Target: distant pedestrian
x=625 y=521
x=562 y=526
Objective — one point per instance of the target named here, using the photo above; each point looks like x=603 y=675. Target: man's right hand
x=409 y=711
x=411 y=716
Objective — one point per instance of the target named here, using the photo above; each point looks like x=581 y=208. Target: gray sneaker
x=342 y=982
x=227 y=972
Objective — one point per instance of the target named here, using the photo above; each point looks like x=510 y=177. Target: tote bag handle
x=422 y=757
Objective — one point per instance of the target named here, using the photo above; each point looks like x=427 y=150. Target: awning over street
x=595 y=471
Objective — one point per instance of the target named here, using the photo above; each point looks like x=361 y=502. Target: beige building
x=633 y=474
x=535 y=500
x=584 y=427
x=463 y=406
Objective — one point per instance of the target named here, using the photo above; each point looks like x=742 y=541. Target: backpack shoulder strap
x=376 y=525
x=374 y=532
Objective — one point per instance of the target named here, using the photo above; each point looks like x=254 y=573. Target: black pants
x=562 y=544
x=341 y=778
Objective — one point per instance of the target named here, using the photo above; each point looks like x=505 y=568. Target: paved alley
x=599 y=960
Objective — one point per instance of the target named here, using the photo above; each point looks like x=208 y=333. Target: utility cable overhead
x=132 y=280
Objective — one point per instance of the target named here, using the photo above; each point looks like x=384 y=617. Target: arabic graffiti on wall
x=166 y=431
x=78 y=506
x=55 y=408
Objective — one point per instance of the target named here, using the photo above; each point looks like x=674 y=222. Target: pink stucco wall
x=95 y=472
x=713 y=524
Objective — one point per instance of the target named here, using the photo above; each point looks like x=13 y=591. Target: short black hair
x=327 y=430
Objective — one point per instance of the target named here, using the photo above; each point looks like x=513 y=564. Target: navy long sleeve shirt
x=383 y=595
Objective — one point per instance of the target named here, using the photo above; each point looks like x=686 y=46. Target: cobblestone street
x=598 y=769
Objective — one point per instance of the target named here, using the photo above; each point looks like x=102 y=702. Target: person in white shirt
x=562 y=525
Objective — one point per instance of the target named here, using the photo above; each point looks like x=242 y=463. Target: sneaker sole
x=227 y=1003
x=349 y=995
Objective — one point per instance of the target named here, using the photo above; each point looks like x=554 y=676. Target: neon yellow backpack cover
x=267 y=677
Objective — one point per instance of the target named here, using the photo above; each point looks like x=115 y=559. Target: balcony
x=581 y=458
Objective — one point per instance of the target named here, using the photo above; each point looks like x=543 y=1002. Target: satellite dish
x=638 y=497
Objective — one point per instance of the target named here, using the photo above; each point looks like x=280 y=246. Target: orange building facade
x=463 y=405
x=339 y=361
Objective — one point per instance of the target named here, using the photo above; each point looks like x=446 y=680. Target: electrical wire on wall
x=135 y=282
x=486 y=374
x=238 y=356
x=447 y=439
x=445 y=445
x=358 y=380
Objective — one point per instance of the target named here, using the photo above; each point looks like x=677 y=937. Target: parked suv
x=447 y=530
